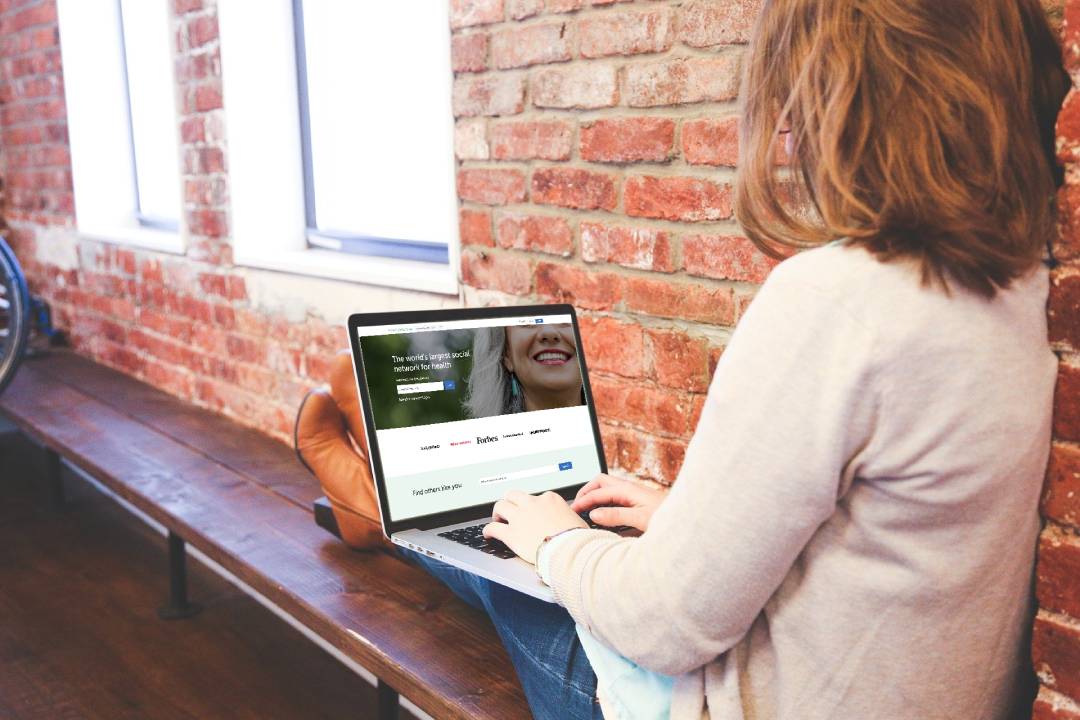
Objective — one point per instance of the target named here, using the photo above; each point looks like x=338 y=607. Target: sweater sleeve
x=789 y=407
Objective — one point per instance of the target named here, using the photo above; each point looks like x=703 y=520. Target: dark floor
x=80 y=638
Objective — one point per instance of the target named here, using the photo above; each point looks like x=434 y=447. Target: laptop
x=461 y=406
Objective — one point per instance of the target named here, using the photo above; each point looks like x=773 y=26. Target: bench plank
x=147 y=448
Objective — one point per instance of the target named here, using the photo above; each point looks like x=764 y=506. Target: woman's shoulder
x=841 y=274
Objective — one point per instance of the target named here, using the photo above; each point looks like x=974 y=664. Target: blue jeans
x=539 y=637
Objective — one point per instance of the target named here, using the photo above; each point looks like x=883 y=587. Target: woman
x=523 y=368
x=853 y=529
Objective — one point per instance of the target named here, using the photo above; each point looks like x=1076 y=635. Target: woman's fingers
x=600 y=496
x=589 y=486
x=600 y=481
x=505 y=511
x=517 y=497
x=616 y=516
x=497 y=531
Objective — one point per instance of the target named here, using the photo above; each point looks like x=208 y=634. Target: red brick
x=683 y=80
x=1061 y=496
x=715 y=351
x=613 y=347
x=470 y=139
x=636 y=139
x=686 y=301
x=125 y=261
x=521 y=9
x=41 y=14
x=464 y=13
x=491 y=186
x=586 y=289
x=207 y=97
x=202 y=30
x=1068 y=129
x=246 y=349
x=562 y=6
x=1054 y=706
x=678 y=360
x=1067 y=242
x=1058 y=573
x=177 y=328
x=711 y=142
x=182 y=7
x=206 y=191
x=532 y=139
x=573 y=188
x=474 y=227
x=530 y=45
x=468 y=53
x=1063 y=313
x=489 y=95
x=535 y=232
x=208 y=223
x=496 y=271
x=642 y=248
x=1055 y=650
x=1067 y=403
x=626 y=33
x=677 y=198
x=576 y=86
x=726 y=257
x=192 y=129
x=652 y=409
x=622 y=447
x=235 y=288
x=192 y=68
x=204 y=160
x=666 y=459
x=706 y=23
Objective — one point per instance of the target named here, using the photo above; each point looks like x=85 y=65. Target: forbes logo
x=487 y=439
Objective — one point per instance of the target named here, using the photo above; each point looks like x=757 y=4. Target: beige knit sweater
x=853 y=530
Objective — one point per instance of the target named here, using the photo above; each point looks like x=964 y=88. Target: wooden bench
x=244 y=502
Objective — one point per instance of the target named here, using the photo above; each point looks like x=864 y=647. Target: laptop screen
x=465 y=410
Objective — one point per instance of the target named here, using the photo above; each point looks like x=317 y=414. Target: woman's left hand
x=522 y=521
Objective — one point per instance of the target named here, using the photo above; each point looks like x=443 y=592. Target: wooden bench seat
x=243 y=500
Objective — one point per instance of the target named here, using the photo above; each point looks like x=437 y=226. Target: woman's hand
x=522 y=521
x=635 y=503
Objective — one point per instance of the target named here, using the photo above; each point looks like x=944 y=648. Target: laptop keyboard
x=473 y=536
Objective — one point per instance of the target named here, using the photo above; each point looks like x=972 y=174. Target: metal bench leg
x=179 y=607
x=388 y=702
x=54 y=476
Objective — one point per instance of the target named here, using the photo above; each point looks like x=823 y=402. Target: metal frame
x=339 y=240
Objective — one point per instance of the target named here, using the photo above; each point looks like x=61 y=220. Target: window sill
x=147 y=238
x=388 y=272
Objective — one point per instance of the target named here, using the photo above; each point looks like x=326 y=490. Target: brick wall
x=596 y=145
x=1056 y=646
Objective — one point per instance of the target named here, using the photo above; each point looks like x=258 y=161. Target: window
x=151 y=103
x=376 y=129
x=340 y=140
x=120 y=95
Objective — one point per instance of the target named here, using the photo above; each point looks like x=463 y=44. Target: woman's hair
x=920 y=129
x=489 y=393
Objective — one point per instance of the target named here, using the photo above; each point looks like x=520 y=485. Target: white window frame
x=266 y=177
x=99 y=129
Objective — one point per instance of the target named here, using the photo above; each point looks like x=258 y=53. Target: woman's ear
x=507 y=364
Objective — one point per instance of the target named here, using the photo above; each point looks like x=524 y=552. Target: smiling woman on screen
x=523 y=368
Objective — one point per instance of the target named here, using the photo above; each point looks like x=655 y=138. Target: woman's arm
x=789 y=408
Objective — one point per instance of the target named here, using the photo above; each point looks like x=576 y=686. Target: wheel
x=14 y=314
